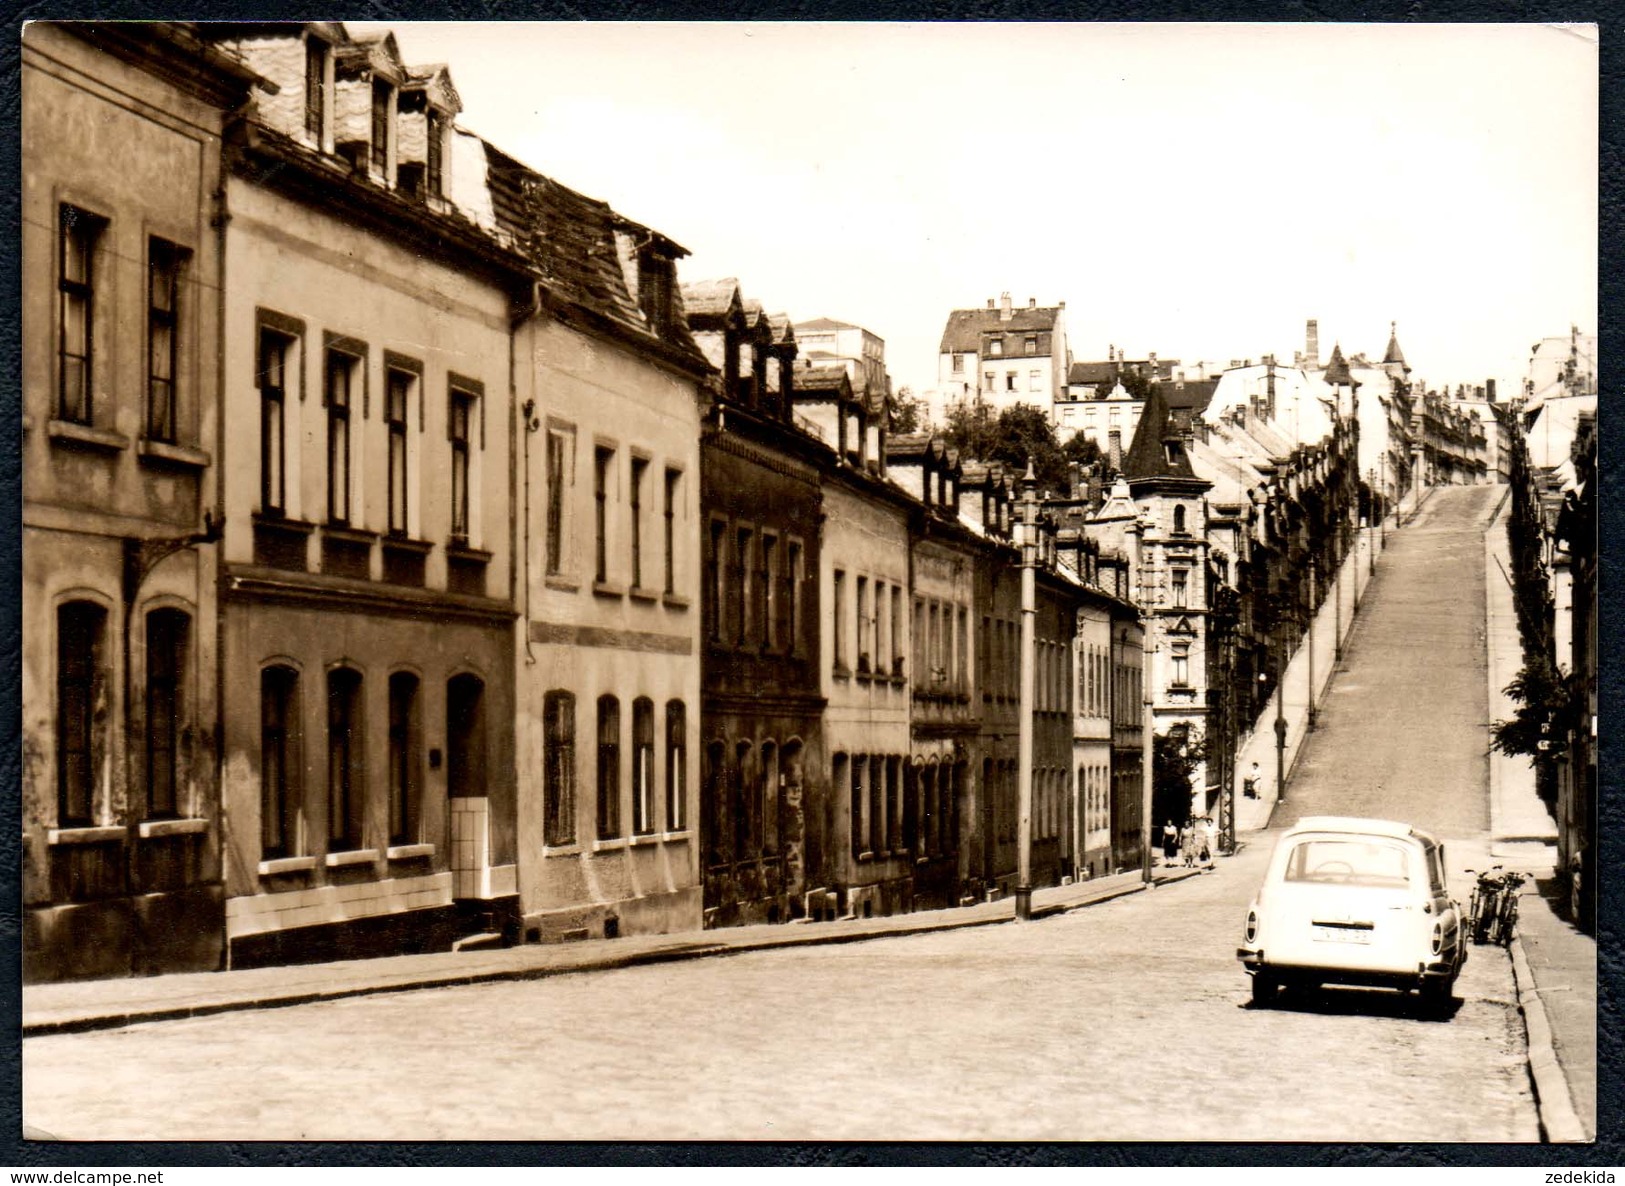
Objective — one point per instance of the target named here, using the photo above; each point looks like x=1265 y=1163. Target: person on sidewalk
x=1187 y=843
x=1170 y=843
x=1210 y=841
x=1249 y=785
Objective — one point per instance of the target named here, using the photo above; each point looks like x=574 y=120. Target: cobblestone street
x=1124 y=1021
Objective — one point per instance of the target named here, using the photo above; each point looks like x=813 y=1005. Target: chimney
x=1004 y=306
x=1311 y=345
x=1074 y=476
x=1032 y=302
x=1094 y=488
x=1489 y=390
x=1151 y=365
x=1114 y=449
x=990 y=302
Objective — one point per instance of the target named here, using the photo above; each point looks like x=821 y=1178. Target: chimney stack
x=1004 y=306
x=1032 y=302
x=1114 y=449
x=1489 y=390
x=1074 y=474
x=1094 y=488
x=990 y=302
x=1311 y=345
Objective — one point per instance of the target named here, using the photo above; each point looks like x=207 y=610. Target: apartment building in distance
x=1001 y=356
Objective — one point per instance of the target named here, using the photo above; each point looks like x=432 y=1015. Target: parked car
x=1354 y=901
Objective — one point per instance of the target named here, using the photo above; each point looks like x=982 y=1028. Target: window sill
x=89 y=835
x=403 y=543
x=459 y=549
x=408 y=852
x=354 y=856
x=608 y=589
x=866 y=856
x=639 y=593
x=840 y=671
x=644 y=839
x=610 y=845
x=561 y=583
x=561 y=850
x=674 y=601
x=281 y=865
x=178 y=456
x=349 y=534
x=673 y=837
x=172 y=827
x=83 y=436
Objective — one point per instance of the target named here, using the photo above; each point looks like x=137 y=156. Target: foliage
x=1550 y=704
x=904 y=413
x=1175 y=757
x=1013 y=436
x=1083 y=451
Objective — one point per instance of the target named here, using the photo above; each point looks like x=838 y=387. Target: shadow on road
x=1365 y=1002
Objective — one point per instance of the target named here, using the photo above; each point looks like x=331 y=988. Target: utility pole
x=1311 y=648
x=1027 y=525
x=1147 y=722
x=1280 y=713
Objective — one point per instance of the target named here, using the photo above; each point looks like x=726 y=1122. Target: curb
x=1559 y=1122
x=609 y=962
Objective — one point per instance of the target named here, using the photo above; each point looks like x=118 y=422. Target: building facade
x=1002 y=356
x=121 y=266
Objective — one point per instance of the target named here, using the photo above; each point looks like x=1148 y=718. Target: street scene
x=492 y=671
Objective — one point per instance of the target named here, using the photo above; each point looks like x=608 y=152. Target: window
x=1179 y=519
x=559 y=768
x=1030 y=346
x=987 y=381
x=458 y=428
x=75 y=313
x=341 y=374
x=768 y=797
x=346 y=781
x=434 y=150
x=792 y=600
x=163 y=331
x=673 y=478
x=1035 y=380
x=643 y=766
x=561 y=452
x=655 y=276
x=397 y=398
x=639 y=468
x=995 y=347
x=1010 y=381
x=168 y=634
x=860 y=804
x=601 y=459
x=79 y=689
x=405 y=745
x=863 y=623
x=382 y=93
x=676 y=766
x=767 y=593
x=838 y=620
x=714 y=571
x=315 y=88
x=279 y=762
x=1181 y=658
x=959 y=364
x=962 y=669
x=893 y=815
x=1177 y=584
x=896 y=631
x=465 y=737
x=744 y=627
x=273 y=378
x=609 y=768
x=711 y=803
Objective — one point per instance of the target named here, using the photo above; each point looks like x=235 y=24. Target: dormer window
x=315 y=89
x=995 y=347
x=434 y=154
x=1031 y=344
x=382 y=107
x=655 y=276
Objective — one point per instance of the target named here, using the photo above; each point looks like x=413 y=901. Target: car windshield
x=1349 y=862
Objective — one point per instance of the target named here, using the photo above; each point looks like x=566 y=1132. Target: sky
x=1197 y=191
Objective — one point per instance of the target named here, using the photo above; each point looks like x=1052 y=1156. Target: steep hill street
x=1125 y=1021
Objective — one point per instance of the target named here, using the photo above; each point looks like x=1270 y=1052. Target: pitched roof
x=963 y=334
x=1092 y=372
x=826 y=323
x=1337 y=370
x=1149 y=455
x=709 y=298
x=1394 y=353
x=1192 y=394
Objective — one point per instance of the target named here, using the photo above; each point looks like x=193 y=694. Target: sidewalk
x=107 y=1004
x=1554 y=961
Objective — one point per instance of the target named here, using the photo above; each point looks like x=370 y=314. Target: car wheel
x=1264 y=987
x=1437 y=994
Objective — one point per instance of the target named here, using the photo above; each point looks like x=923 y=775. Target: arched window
x=711 y=802
x=559 y=768
x=743 y=803
x=405 y=759
x=609 y=768
x=279 y=763
x=1179 y=518
x=676 y=766
x=346 y=760
x=769 y=797
x=80 y=684
x=643 y=766
x=168 y=634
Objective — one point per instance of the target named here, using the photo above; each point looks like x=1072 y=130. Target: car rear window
x=1349 y=862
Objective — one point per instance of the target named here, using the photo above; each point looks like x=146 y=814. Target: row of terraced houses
x=411 y=561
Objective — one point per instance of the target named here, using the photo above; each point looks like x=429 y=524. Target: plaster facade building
x=121 y=264
x=1002 y=356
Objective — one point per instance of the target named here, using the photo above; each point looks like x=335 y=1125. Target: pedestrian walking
x=1210 y=840
x=1187 y=843
x=1170 y=843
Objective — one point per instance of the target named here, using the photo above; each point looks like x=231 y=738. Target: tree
x=1175 y=757
x=1013 y=436
x=1550 y=706
x=1082 y=451
x=904 y=413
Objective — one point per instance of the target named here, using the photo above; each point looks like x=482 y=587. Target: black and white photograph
x=808 y=582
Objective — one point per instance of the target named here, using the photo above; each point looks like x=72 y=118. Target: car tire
x=1264 y=988
x=1437 y=995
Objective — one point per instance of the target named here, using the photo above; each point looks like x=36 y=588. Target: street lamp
x=1311 y=647
x=1026 y=526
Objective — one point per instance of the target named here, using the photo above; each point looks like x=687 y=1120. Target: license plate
x=1342 y=934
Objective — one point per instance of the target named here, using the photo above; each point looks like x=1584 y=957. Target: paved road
x=1125 y=1021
